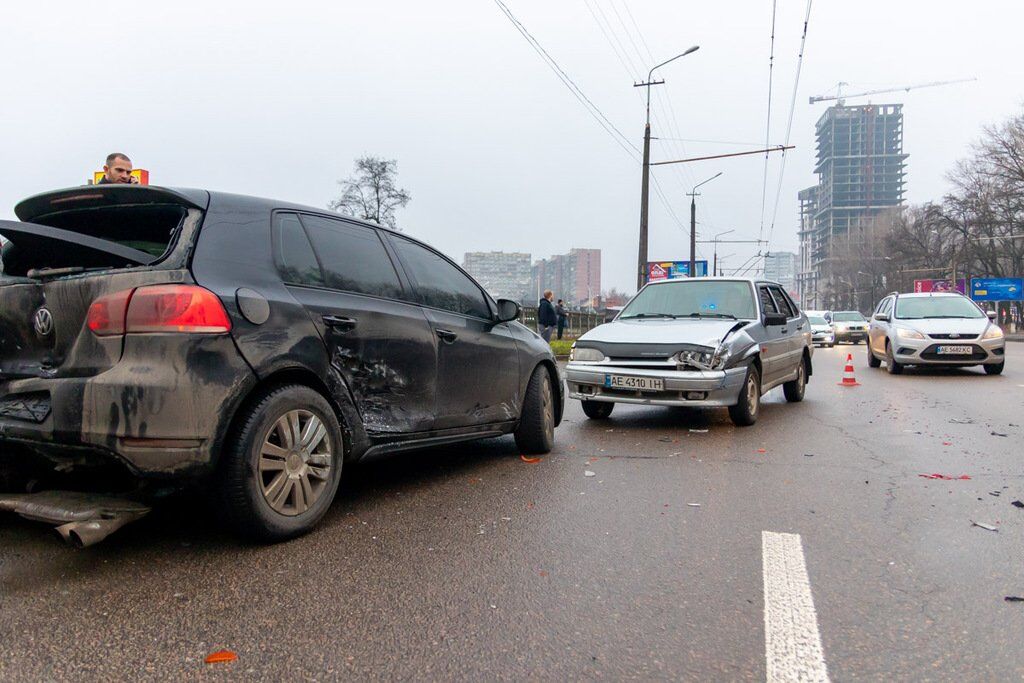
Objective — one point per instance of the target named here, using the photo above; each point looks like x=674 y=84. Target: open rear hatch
x=72 y=247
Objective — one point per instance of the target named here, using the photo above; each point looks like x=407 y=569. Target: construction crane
x=839 y=97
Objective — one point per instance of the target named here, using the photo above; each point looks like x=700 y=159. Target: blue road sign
x=997 y=288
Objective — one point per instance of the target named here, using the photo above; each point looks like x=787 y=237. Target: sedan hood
x=699 y=331
x=968 y=327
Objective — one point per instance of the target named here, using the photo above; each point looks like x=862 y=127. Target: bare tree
x=370 y=193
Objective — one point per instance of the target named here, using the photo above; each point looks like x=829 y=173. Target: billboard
x=667 y=270
x=940 y=285
x=141 y=176
x=996 y=288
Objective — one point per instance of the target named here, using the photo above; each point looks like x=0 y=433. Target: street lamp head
x=692 y=49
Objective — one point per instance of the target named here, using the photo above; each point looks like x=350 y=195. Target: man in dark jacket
x=547 y=318
x=563 y=317
x=118 y=170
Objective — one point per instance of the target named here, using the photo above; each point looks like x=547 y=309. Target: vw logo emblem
x=43 y=322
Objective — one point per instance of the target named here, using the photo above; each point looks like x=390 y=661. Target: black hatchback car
x=254 y=345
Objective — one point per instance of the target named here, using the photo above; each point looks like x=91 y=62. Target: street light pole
x=693 y=224
x=714 y=268
x=641 y=275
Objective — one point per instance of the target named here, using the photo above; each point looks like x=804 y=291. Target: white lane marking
x=791 y=640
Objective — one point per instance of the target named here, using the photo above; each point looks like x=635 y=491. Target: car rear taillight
x=187 y=309
x=106 y=315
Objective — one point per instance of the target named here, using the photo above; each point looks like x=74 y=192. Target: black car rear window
x=149 y=228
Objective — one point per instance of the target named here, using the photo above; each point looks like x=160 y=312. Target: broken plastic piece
x=997 y=434
x=761 y=450
x=529 y=460
x=1017 y=504
x=1013 y=598
x=693 y=505
x=221 y=656
x=699 y=431
x=945 y=477
x=983 y=525
x=588 y=473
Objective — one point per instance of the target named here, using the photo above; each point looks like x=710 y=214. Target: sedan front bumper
x=926 y=351
x=693 y=388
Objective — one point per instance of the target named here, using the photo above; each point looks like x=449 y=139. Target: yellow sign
x=141 y=176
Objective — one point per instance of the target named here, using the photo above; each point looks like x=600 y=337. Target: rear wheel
x=891 y=365
x=873 y=361
x=281 y=469
x=597 y=410
x=794 y=389
x=994 y=369
x=744 y=413
x=536 y=430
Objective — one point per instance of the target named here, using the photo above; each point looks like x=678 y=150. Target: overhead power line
x=789 y=122
x=768 y=120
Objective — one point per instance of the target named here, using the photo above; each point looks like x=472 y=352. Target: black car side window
x=439 y=284
x=353 y=257
x=295 y=259
x=767 y=302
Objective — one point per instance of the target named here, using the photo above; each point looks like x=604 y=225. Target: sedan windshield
x=915 y=308
x=693 y=299
x=847 y=317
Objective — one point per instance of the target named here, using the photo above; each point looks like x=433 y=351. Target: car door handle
x=785 y=329
x=447 y=336
x=339 y=322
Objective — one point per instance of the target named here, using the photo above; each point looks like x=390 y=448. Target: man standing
x=118 y=170
x=547 y=318
x=562 y=317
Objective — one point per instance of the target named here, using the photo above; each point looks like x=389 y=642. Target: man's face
x=119 y=172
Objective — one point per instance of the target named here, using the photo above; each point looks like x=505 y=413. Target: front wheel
x=794 y=389
x=281 y=468
x=744 y=413
x=891 y=365
x=536 y=431
x=873 y=361
x=996 y=369
x=597 y=410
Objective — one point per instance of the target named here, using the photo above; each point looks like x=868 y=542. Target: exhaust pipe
x=84 y=519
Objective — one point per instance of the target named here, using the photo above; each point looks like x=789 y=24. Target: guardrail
x=577 y=323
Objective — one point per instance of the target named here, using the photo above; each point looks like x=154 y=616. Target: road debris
x=998 y=434
x=1013 y=598
x=944 y=477
x=588 y=473
x=967 y=421
x=808 y=455
x=693 y=505
x=761 y=450
x=1017 y=504
x=529 y=460
x=221 y=656
x=699 y=431
x=994 y=493
x=983 y=525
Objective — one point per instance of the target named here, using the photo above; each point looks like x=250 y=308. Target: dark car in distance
x=253 y=346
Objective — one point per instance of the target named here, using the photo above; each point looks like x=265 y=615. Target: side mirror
x=774 y=318
x=508 y=310
x=991 y=315
x=883 y=317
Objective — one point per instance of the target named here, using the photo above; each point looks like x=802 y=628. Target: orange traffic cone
x=848 y=379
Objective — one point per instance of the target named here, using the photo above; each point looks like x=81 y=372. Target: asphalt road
x=469 y=564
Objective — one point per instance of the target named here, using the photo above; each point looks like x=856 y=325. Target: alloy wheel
x=295 y=462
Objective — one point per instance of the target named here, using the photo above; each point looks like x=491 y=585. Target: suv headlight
x=993 y=332
x=908 y=333
x=585 y=354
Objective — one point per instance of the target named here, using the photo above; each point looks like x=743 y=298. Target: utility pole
x=641 y=275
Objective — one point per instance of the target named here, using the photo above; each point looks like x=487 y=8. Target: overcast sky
x=277 y=99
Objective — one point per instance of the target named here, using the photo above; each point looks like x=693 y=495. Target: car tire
x=536 y=431
x=891 y=365
x=267 y=475
x=597 y=410
x=873 y=360
x=794 y=389
x=996 y=369
x=746 y=410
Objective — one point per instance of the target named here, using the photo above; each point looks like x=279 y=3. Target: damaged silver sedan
x=700 y=342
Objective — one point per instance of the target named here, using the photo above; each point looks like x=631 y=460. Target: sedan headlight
x=906 y=333
x=992 y=332
x=585 y=354
x=698 y=359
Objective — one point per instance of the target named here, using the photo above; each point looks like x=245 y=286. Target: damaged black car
x=249 y=347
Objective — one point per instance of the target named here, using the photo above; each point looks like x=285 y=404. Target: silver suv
x=944 y=329
x=700 y=342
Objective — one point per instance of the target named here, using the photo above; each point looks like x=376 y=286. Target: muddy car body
x=147 y=327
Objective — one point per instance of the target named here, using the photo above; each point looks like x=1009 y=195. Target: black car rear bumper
x=161 y=410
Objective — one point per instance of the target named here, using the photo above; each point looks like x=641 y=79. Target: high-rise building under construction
x=860 y=168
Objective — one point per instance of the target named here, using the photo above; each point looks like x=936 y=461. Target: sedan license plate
x=639 y=383
x=954 y=350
